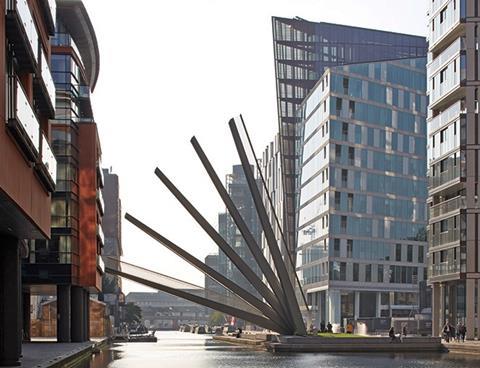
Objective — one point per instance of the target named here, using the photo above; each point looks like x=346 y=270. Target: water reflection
x=182 y=350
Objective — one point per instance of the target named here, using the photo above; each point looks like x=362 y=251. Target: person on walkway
x=391 y=334
x=404 y=331
x=463 y=332
x=457 y=331
x=446 y=331
x=322 y=326
x=329 y=328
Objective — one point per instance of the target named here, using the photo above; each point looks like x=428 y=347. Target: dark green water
x=186 y=350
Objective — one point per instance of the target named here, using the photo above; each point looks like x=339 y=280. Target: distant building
x=302 y=51
x=167 y=312
x=112 y=251
x=363 y=188
x=237 y=187
x=453 y=150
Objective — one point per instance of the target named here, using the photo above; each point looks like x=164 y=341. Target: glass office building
x=453 y=141
x=362 y=191
x=302 y=51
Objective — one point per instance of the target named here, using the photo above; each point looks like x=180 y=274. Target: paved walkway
x=43 y=353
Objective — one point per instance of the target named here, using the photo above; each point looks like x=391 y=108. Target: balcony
x=444 y=177
x=446 y=56
x=100 y=202
x=47 y=165
x=21 y=120
x=455 y=75
x=100 y=235
x=447 y=207
x=22 y=34
x=446 y=116
x=49 y=9
x=447 y=237
x=441 y=33
x=443 y=269
x=44 y=90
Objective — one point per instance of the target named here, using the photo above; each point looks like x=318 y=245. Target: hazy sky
x=171 y=69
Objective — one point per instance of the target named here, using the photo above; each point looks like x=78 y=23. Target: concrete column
x=64 y=313
x=470 y=308
x=10 y=302
x=378 y=313
x=356 y=300
x=78 y=314
x=441 y=306
x=334 y=307
x=26 y=315
x=478 y=309
x=436 y=328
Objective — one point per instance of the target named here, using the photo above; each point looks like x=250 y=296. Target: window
x=443 y=165
x=433 y=141
x=325 y=106
x=338 y=197
x=443 y=226
x=443 y=15
x=380 y=273
x=345 y=86
x=325 y=152
x=344 y=177
x=356 y=272
x=350 y=202
x=398 y=252
x=338 y=152
x=336 y=247
x=349 y=248
x=368 y=273
x=343 y=223
x=420 y=254
x=443 y=75
x=443 y=135
x=324 y=198
x=338 y=105
x=343 y=271
x=409 y=253
x=345 y=131
x=351 y=156
x=351 y=109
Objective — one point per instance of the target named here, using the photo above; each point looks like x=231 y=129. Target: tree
x=133 y=313
x=217 y=318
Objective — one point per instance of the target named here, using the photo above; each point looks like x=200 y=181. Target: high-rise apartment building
x=112 y=251
x=27 y=165
x=237 y=188
x=69 y=265
x=302 y=51
x=453 y=149
x=363 y=188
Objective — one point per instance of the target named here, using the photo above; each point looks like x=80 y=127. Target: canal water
x=186 y=350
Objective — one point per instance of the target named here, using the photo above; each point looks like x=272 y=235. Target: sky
x=173 y=69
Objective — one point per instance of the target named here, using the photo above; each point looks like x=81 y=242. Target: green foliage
x=133 y=313
x=217 y=319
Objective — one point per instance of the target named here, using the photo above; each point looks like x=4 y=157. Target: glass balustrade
x=443 y=22
x=451 y=205
x=101 y=201
x=100 y=234
x=49 y=160
x=447 y=116
x=48 y=80
x=21 y=8
x=444 y=177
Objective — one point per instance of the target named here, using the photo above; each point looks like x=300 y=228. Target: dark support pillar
x=78 y=314
x=64 y=313
x=87 y=315
x=10 y=302
x=26 y=315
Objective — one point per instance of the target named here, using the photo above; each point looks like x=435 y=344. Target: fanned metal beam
x=242 y=266
x=242 y=293
x=272 y=208
x=242 y=226
x=260 y=321
x=292 y=303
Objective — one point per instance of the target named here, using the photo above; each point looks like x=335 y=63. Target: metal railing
x=444 y=177
x=447 y=116
x=448 y=206
x=450 y=236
